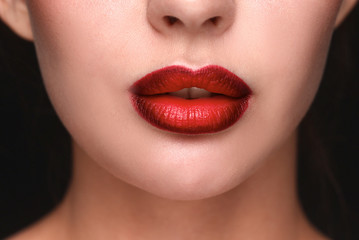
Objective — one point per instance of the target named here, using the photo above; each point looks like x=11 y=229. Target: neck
x=265 y=206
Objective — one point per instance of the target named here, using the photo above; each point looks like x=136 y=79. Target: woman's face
x=92 y=51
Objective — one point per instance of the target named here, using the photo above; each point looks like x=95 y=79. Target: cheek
x=283 y=48
x=83 y=32
x=83 y=49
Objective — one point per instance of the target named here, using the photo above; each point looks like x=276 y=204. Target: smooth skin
x=134 y=181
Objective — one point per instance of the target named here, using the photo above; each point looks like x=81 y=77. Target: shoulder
x=50 y=227
x=309 y=232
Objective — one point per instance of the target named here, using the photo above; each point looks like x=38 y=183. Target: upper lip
x=212 y=78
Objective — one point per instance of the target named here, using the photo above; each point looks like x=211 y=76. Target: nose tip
x=214 y=16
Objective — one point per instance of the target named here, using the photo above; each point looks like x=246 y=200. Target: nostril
x=191 y=16
x=170 y=20
x=215 y=20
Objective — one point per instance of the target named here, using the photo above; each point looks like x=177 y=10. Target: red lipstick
x=152 y=97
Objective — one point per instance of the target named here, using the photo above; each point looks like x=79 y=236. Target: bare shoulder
x=309 y=232
x=315 y=235
x=49 y=227
x=31 y=233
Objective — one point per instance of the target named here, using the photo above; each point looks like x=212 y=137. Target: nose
x=193 y=16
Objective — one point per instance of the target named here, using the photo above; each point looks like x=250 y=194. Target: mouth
x=181 y=100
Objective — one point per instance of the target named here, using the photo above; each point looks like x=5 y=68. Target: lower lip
x=191 y=116
x=196 y=116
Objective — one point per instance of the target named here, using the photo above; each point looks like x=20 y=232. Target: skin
x=134 y=181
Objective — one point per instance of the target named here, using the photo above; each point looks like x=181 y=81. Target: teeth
x=183 y=93
x=191 y=93
x=198 y=93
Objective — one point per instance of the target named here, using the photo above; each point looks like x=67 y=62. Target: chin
x=189 y=179
x=189 y=190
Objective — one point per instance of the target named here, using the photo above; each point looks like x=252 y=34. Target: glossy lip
x=191 y=116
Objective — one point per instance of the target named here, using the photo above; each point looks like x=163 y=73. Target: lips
x=181 y=100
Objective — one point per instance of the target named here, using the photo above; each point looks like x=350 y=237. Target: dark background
x=35 y=151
